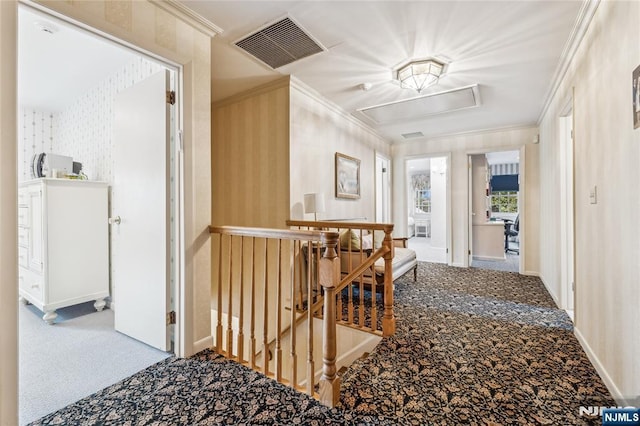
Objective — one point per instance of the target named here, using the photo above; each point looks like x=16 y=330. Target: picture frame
x=635 y=93
x=347 y=176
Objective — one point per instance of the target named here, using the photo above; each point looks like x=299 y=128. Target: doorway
x=428 y=207
x=383 y=189
x=495 y=206
x=84 y=350
x=567 y=209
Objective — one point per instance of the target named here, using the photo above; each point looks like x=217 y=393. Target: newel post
x=388 y=318
x=329 y=386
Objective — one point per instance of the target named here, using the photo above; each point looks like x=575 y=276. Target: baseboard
x=202 y=344
x=608 y=382
x=349 y=357
x=555 y=298
x=490 y=258
x=531 y=274
x=458 y=265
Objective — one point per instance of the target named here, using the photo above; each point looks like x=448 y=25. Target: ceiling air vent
x=422 y=106
x=280 y=43
x=412 y=135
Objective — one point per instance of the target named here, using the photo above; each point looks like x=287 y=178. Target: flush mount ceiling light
x=418 y=75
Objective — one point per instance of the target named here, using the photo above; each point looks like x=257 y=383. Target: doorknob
x=115 y=220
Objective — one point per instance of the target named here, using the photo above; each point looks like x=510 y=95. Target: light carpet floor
x=76 y=357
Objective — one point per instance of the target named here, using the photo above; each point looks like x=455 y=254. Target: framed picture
x=347 y=176
x=635 y=90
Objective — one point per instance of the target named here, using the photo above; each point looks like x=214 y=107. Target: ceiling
x=54 y=69
x=510 y=49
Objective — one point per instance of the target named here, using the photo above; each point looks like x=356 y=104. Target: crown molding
x=313 y=94
x=254 y=91
x=187 y=15
x=523 y=127
x=585 y=16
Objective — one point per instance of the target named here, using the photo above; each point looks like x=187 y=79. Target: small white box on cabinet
x=63 y=243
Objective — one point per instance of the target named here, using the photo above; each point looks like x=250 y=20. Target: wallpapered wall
x=84 y=130
x=36 y=131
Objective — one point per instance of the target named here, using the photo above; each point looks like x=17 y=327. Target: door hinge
x=469 y=252
x=171 y=97
x=171 y=317
x=573 y=286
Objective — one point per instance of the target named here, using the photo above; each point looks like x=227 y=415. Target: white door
x=383 y=198
x=567 y=209
x=140 y=211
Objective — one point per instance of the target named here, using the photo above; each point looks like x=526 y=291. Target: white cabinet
x=63 y=243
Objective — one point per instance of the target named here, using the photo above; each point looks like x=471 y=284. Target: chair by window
x=511 y=229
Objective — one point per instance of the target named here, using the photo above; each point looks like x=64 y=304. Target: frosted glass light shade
x=419 y=75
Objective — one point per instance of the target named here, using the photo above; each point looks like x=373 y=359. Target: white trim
x=604 y=375
x=489 y=258
x=190 y=17
x=582 y=23
x=449 y=211
x=468 y=132
x=182 y=325
x=295 y=83
x=458 y=265
x=532 y=274
x=202 y=344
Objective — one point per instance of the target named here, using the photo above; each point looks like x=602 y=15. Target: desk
x=423 y=227
x=488 y=240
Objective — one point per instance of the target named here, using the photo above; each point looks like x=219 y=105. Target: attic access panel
x=279 y=43
x=423 y=106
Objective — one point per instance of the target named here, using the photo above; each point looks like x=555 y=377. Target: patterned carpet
x=472 y=347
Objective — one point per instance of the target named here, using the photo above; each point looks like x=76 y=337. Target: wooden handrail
x=280 y=234
x=369 y=226
x=303 y=266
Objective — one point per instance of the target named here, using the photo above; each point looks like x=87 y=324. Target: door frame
x=385 y=191
x=177 y=294
x=405 y=199
x=521 y=203
x=566 y=136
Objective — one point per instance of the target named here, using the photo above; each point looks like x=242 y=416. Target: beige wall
x=273 y=144
x=157 y=31
x=607 y=154
x=318 y=131
x=250 y=158
x=8 y=221
x=460 y=146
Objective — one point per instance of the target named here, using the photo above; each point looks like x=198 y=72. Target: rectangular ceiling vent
x=423 y=106
x=280 y=43
x=412 y=135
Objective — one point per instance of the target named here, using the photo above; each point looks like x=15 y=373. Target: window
x=423 y=201
x=504 y=202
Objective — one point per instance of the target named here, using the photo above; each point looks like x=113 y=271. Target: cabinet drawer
x=23 y=260
x=23 y=237
x=22 y=197
x=31 y=283
x=23 y=217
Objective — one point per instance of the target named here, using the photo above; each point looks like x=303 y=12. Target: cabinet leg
x=49 y=317
x=23 y=300
x=99 y=305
